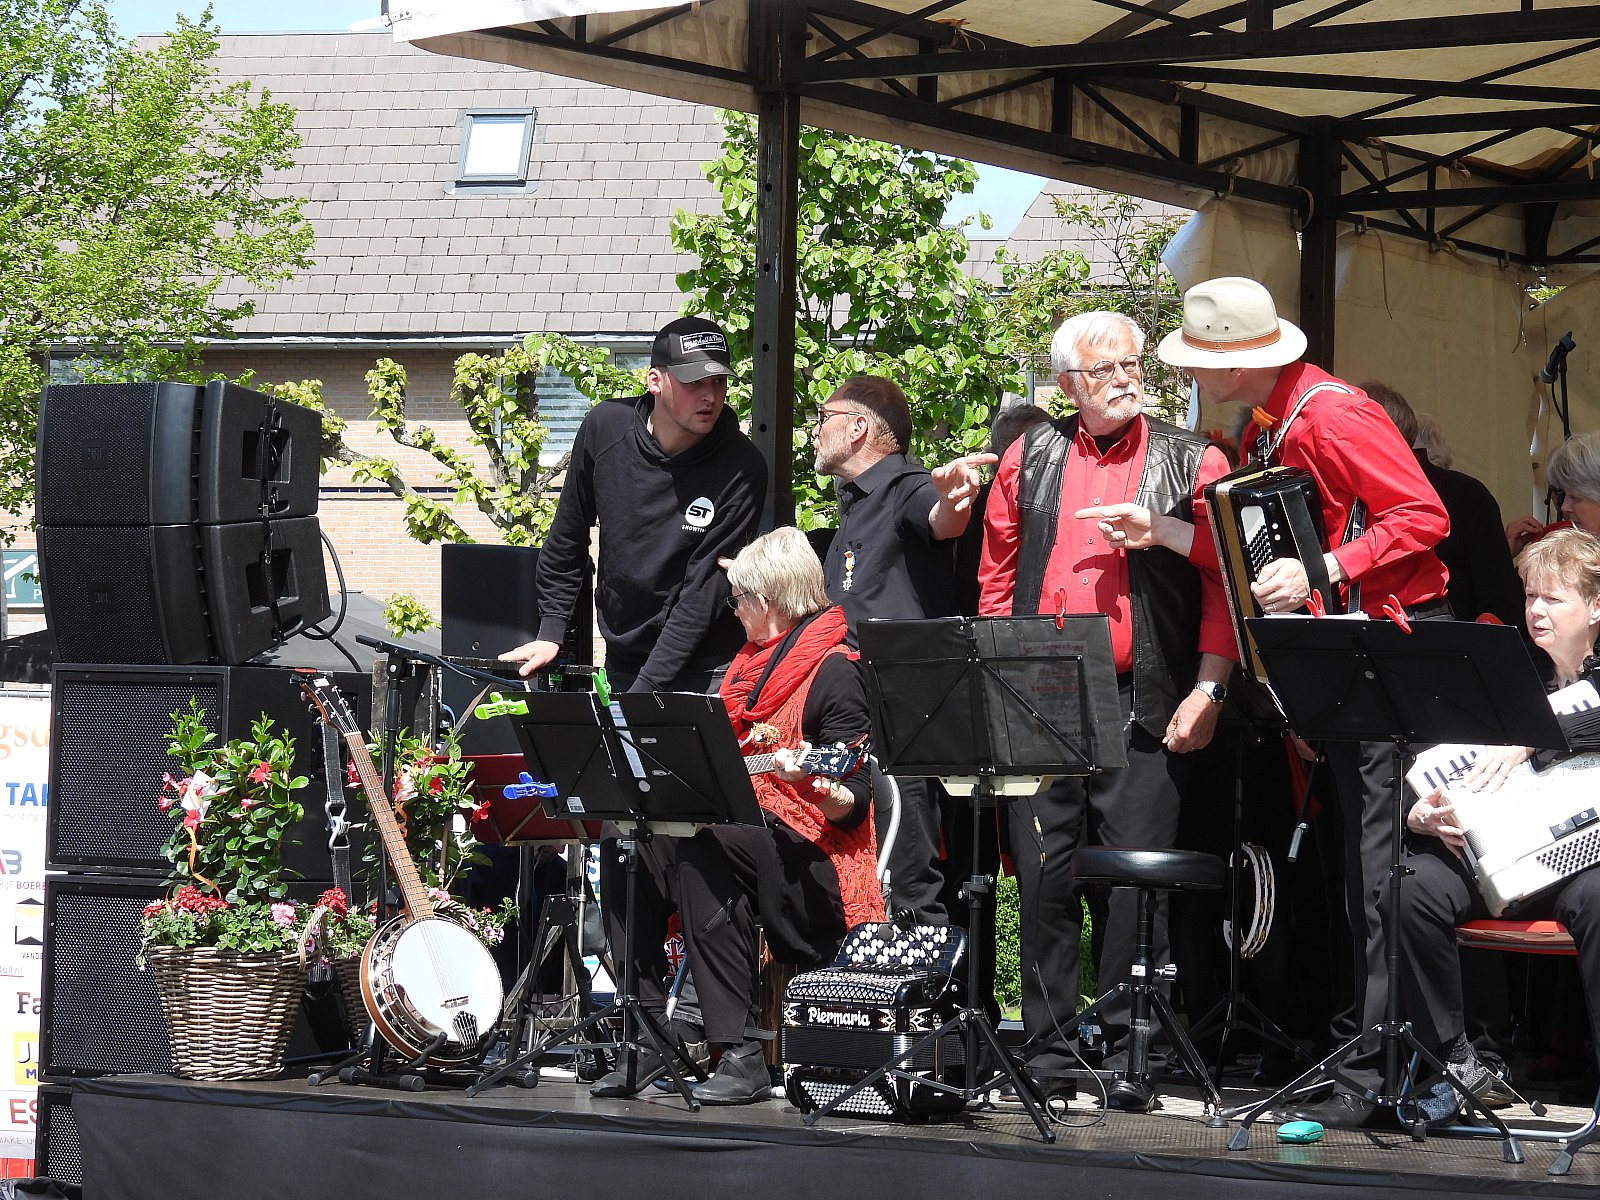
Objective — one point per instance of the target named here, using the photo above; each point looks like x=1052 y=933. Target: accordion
x=1259 y=515
x=886 y=990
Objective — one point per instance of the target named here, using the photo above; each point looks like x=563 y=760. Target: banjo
x=431 y=988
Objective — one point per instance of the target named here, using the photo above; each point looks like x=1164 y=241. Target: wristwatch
x=1214 y=692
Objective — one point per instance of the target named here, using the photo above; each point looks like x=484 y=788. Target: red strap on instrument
x=1061 y=608
x=1396 y=612
x=1315 y=604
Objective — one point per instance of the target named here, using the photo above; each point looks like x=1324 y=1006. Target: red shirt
x=1354 y=452
x=1084 y=570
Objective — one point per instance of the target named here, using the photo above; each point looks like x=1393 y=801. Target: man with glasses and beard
x=893 y=558
x=1102 y=511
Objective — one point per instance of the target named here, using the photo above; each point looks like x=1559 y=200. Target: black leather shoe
x=1127 y=1095
x=1342 y=1110
x=636 y=1070
x=741 y=1077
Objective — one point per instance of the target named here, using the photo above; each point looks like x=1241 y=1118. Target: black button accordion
x=886 y=989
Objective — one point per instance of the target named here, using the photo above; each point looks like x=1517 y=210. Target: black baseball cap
x=690 y=349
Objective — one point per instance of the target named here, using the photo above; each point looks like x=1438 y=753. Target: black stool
x=1151 y=872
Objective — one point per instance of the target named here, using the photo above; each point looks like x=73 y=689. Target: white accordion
x=1538 y=828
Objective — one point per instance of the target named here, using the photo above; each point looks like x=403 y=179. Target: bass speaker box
x=57 y=1153
x=489 y=602
x=180 y=593
x=101 y=1013
x=108 y=751
x=173 y=454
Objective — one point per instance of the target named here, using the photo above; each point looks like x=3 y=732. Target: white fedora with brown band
x=1231 y=322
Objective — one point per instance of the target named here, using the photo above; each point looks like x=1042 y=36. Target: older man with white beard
x=1102 y=511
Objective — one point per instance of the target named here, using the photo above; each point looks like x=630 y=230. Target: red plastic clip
x=1315 y=605
x=1061 y=609
x=1396 y=612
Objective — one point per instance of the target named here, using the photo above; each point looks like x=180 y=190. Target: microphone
x=1558 y=356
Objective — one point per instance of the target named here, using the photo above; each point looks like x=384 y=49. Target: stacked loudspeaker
x=177 y=524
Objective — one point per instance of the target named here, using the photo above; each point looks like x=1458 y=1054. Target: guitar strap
x=338 y=826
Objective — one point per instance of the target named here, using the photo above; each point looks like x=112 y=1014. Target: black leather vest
x=1165 y=587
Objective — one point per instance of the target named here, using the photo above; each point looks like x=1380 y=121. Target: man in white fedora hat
x=1237 y=349
x=1050 y=547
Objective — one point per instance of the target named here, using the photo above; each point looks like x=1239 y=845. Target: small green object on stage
x=1299 y=1131
x=602 y=686
x=500 y=706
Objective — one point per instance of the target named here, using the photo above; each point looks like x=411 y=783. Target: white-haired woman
x=810 y=874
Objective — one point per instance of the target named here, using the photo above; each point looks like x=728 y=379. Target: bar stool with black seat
x=1150 y=872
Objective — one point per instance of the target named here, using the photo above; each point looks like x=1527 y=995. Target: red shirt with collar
x=1354 y=452
x=1083 y=567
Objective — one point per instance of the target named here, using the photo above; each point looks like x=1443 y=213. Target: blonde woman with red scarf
x=811 y=873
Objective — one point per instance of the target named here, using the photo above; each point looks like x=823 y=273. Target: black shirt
x=1483 y=577
x=884 y=562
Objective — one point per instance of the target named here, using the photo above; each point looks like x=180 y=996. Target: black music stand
x=976 y=701
x=1355 y=680
x=653 y=764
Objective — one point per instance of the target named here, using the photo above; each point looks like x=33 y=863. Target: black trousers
x=711 y=879
x=1438 y=896
x=1134 y=806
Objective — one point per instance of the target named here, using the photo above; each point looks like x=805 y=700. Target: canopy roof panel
x=1468 y=123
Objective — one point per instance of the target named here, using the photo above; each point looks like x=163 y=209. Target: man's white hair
x=1090 y=329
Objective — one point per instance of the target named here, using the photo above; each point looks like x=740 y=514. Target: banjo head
x=428 y=977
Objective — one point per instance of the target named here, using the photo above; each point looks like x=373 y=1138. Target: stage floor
x=156 y=1138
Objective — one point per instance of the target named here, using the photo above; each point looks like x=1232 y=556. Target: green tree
x=1039 y=295
x=132 y=203
x=881 y=288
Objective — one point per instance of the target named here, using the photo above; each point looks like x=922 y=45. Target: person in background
x=1573 y=476
x=1482 y=576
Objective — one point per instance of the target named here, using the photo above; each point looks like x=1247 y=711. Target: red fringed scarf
x=780 y=703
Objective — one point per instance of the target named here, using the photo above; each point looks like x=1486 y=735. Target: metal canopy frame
x=1463 y=127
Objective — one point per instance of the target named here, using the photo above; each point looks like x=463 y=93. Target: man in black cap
x=674 y=486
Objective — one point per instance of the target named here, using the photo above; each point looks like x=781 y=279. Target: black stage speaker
x=108 y=750
x=57 y=1153
x=180 y=593
x=173 y=454
x=488 y=600
x=102 y=1015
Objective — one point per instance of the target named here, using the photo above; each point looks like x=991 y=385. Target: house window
x=494 y=149
x=562 y=406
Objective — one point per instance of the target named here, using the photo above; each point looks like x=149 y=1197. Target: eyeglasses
x=1102 y=371
x=824 y=415
x=733 y=600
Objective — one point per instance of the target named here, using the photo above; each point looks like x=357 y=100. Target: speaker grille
x=108 y=751
x=101 y=1015
x=58 y=1153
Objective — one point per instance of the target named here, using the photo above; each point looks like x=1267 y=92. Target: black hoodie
x=664 y=521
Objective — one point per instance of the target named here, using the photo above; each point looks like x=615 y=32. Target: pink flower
x=261 y=774
x=169 y=781
x=283 y=915
x=246 y=803
x=492 y=935
x=165 y=802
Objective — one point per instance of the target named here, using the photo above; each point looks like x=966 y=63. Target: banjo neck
x=413 y=893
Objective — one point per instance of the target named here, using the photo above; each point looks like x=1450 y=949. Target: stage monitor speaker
x=173 y=454
x=180 y=593
x=488 y=598
x=57 y=1152
x=108 y=750
x=101 y=1012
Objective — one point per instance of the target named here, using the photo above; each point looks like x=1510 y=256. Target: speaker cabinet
x=488 y=599
x=173 y=454
x=180 y=593
x=57 y=1153
x=102 y=1015
x=108 y=750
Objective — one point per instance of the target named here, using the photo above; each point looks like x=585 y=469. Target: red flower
x=168 y=780
x=154 y=907
x=165 y=802
x=191 y=819
x=480 y=812
x=335 y=901
x=435 y=785
x=352 y=777
x=192 y=899
x=261 y=774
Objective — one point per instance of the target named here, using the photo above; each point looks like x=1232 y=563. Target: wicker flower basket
x=229 y=1014
x=347 y=975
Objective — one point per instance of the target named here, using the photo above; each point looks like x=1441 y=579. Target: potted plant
x=226 y=944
